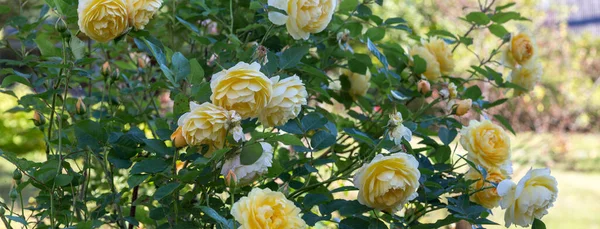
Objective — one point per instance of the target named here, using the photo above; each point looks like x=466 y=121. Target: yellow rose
x=205 y=124
x=303 y=16
x=102 y=20
x=263 y=208
x=242 y=88
x=530 y=198
x=433 y=72
x=484 y=193
x=521 y=49
x=388 y=182
x=287 y=99
x=442 y=52
x=526 y=76
x=141 y=11
x=359 y=83
x=487 y=144
x=178 y=139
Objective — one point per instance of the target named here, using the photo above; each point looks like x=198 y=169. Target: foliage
x=113 y=163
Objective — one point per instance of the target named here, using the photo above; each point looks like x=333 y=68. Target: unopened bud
x=231 y=179
x=13 y=194
x=80 y=107
x=177 y=138
x=2 y=210
x=106 y=69
x=17 y=175
x=212 y=60
x=423 y=86
x=141 y=62
x=60 y=26
x=38 y=119
x=116 y=74
x=463 y=106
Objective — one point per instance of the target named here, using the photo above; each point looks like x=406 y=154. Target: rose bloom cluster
x=488 y=147
x=521 y=56
x=104 y=20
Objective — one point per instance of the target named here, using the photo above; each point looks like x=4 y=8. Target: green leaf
x=4 y=9
x=291 y=57
x=287 y=139
x=437 y=32
x=446 y=135
x=181 y=104
x=196 y=72
x=313 y=121
x=377 y=224
x=478 y=18
x=493 y=104
x=214 y=215
x=503 y=17
x=188 y=25
x=250 y=153
x=498 y=30
x=502 y=7
x=419 y=65
x=347 y=6
x=359 y=136
x=505 y=123
x=375 y=33
x=201 y=92
x=181 y=66
x=322 y=139
x=46 y=46
x=77 y=47
x=373 y=48
x=9 y=80
x=136 y=179
x=165 y=190
x=158 y=147
x=353 y=207
x=18 y=219
x=473 y=92
x=152 y=165
x=63 y=179
x=538 y=224
x=90 y=134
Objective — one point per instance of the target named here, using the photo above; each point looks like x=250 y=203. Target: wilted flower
x=247 y=173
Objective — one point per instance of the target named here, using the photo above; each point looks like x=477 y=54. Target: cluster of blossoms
x=241 y=92
x=104 y=20
x=488 y=147
x=521 y=56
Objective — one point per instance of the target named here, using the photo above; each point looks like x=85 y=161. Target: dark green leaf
x=538 y=224
x=503 y=17
x=322 y=139
x=359 y=136
x=158 y=147
x=152 y=165
x=9 y=80
x=136 y=179
x=250 y=153
x=287 y=139
x=291 y=57
x=196 y=72
x=473 y=92
x=214 y=215
x=181 y=66
x=165 y=190
x=505 y=123
x=419 y=65
x=375 y=33
x=447 y=136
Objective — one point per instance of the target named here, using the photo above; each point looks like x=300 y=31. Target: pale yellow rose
x=484 y=192
x=526 y=76
x=359 y=83
x=487 y=144
x=530 y=198
x=432 y=72
x=263 y=208
x=102 y=20
x=520 y=51
x=303 y=16
x=242 y=88
x=452 y=92
x=205 y=124
x=141 y=11
x=442 y=52
x=387 y=183
x=287 y=99
x=463 y=106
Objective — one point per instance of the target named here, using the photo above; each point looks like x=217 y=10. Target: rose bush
x=212 y=114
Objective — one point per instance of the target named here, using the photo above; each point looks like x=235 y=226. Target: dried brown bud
x=38 y=118
x=80 y=107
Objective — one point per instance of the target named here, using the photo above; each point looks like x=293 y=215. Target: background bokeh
x=558 y=123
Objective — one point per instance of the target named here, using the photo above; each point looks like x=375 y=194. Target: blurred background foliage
x=559 y=122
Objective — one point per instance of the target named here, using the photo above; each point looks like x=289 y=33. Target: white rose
x=398 y=131
x=247 y=173
x=530 y=198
